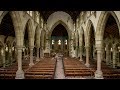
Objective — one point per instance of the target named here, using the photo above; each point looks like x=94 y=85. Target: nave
x=46 y=69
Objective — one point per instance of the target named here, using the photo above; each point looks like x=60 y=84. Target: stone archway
x=65 y=19
x=67 y=50
x=89 y=42
x=100 y=35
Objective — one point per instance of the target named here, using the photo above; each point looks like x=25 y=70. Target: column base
x=31 y=64
x=80 y=60
x=98 y=75
x=37 y=59
x=20 y=74
x=87 y=65
x=114 y=66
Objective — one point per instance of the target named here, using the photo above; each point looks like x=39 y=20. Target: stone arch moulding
x=60 y=16
x=30 y=31
x=88 y=30
x=17 y=23
x=102 y=22
x=57 y=23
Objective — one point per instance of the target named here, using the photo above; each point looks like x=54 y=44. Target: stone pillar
x=114 y=56
x=103 y=54
x=37 y=59
x=76 y=52
x=20 y=72
x=41 y=52
x=81 y=48
x=10 y=55
x=107 y=54
x=31 y=56
x=87 y=57
x=24 y=52
x=3 y=55
x=98 y=73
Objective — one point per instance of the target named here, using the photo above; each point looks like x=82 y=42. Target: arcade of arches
x=89 y=42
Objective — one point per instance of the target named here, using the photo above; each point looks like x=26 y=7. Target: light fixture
x=13 y=48
x=6 y=49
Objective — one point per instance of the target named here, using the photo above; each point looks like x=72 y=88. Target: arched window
x=65 y=42
x=59 y=42
x=53 y=42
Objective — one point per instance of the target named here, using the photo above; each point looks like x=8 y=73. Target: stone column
x=87 y=57
x=103 y=54
x=98 y=73
x=107 y=54
x=10 y=55
x=3 y=55
x=31 y=56
x=72 y=48
x=76 y=52
x=24 y=52
x=37 y=59
x=20 y=72
x=41 y=52
x=81 y=48
x=114 y=56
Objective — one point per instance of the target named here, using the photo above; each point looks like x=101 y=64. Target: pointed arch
x=17 y=23
x=30 y=31
x=88 y=32
x=57 y=23
x=37 y=35
x=102 y=22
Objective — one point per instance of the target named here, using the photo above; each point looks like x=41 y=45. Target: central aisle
x=59 y=73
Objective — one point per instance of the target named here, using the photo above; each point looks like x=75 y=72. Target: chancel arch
x=60 y=35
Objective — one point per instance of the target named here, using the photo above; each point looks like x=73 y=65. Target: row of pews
x=108 y=72
x=44 y=69
x=10 y=72
x=74 y=68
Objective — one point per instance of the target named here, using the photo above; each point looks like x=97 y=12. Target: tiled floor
x=59 y=73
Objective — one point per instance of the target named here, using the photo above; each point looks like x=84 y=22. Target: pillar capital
x=31 y=47
x=87 y=47
x=19 y=47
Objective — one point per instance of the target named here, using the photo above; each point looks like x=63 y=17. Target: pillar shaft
x=81 y=48
x=37 y=59
x=114 y=57
x=19 y=73
x=31 y=56
x=87 y=57
x=98 y=73
x=107 y=55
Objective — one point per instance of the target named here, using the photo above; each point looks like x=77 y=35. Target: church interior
x=59 y=44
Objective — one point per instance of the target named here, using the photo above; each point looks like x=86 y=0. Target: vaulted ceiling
x=73 y=14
